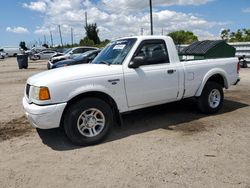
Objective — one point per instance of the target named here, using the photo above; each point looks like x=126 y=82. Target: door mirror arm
x=137 y=62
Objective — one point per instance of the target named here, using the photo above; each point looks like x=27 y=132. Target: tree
x=22 y=45
x=238 y=36
x=183 y=37
x=45 y=45
x=246 y=34
x=225 y=34
x=92 y=33
x=87 y=42
x=241 y=35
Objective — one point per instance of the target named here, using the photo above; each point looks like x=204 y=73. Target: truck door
x=156 y=80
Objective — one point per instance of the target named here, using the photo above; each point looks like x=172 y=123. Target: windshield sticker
x=119 y=47
x=121 y=41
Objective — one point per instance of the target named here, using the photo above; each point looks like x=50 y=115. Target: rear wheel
x=211 y=99
x=88 y=121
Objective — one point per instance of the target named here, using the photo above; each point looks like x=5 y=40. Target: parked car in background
x=73 y=52
x=86 y=57
x=243 y=62
x=61 y=52
x=43 y=55
x=3 y=54
x=12 y=51
x=35 y=50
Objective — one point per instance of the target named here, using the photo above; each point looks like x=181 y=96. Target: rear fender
x=209 y=74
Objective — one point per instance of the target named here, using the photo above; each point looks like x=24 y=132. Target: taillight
x=238 y=67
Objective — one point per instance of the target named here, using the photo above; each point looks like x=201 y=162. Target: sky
x=33 y=21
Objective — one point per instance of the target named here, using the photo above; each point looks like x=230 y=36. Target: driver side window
x=153 y=51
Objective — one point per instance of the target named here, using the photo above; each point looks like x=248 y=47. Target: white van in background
x=12 y=51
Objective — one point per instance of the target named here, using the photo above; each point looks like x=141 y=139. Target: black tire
x=244 y=64
x=72 y=118
x=204 y=104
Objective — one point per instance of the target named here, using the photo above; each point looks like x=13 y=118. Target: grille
x=27 y=90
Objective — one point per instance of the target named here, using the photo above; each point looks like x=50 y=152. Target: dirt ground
x=171 y=145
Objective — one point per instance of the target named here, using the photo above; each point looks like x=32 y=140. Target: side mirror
x=88 y=60
x=137 y=62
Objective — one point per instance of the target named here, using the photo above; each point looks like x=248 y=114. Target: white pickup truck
x=129 y=74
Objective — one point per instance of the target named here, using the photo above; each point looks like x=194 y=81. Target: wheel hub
x=91 y=122
x=214 y=98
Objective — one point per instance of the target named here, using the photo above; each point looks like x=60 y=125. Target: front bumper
x=44 y=117
x=49 y=65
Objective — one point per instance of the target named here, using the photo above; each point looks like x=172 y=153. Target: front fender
x=208 y=75
x=88 y=88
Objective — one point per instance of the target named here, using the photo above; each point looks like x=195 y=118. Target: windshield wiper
x=105 y=62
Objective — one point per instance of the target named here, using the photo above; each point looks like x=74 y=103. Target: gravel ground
x=165 y=146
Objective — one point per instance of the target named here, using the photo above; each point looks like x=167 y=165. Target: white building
x=242 y=48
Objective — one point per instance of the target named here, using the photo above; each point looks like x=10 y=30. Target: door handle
x=171 y=71
x=114 y=81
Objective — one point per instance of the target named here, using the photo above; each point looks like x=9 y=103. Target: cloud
x=131 y=5
x=246 y=10
x=39 y=6
x=116 y=18
x=19 y=30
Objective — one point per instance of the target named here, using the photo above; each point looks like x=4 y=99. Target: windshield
x=79 y=57
x=67 y=51
x=115 y=52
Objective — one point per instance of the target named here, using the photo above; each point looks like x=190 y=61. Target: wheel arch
x=218 y=76
x=95 y=94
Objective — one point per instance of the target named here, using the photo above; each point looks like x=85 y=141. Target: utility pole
x=162 y=31
x=39 y=42
x=72 y=39
x=51 y=38
x=45 y=40
x=151 y=16
x=86 y=19
x=142 y=30
x=59 y=27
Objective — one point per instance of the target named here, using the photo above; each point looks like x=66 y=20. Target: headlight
x=40 y=93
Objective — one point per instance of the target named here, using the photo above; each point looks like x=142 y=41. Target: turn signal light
x=44 y=93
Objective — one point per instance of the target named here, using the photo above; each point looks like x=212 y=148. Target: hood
x=64 y=62
x=60 y=57
x=76 y=72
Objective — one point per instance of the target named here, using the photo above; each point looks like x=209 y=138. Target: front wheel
x=211 y=99
x=88 y=121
